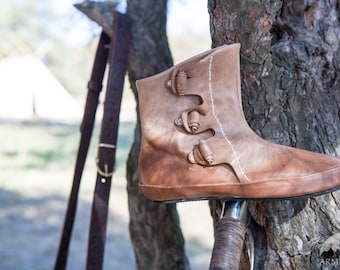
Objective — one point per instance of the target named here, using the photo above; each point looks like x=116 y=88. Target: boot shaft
x=193 y=95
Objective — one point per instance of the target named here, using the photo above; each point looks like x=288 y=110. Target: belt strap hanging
x=119 y=50
x=119 y=47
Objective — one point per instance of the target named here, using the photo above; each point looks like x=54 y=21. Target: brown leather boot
x=196 y=143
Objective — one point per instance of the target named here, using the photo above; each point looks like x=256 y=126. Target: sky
x=188 y=14
x=182 y=16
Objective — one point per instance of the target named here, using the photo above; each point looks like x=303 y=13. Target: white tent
x=28 y=89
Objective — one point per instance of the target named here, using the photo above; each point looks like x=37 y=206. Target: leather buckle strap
x=106 y=172
x=119 y=50
x=86 y=128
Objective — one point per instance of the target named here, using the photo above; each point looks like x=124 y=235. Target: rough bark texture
x=290 y=61
x=100 y=12
x=154 y=228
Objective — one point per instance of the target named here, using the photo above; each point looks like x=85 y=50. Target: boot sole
x=233 y=198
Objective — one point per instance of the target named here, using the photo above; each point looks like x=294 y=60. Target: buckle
x=106 y=172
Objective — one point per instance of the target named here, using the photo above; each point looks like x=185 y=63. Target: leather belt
x=105 y=161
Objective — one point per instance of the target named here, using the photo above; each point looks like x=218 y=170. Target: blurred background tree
x=53 y=31
x=65 y=40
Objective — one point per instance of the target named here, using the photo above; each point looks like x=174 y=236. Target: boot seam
x=238 y=161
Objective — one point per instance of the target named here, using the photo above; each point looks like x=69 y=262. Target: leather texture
x=106 y=157
x=196 y=143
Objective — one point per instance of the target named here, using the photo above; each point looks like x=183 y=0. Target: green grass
x=36 y=169
x=40 y=145
x=38 y=157
x=36 y=146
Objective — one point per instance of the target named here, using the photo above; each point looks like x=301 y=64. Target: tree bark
x=154 y=228
x=290 y=61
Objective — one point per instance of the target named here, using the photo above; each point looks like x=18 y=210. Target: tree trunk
x=290 y=72
x=154 y=228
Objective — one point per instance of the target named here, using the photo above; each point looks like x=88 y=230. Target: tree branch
x=100 y=12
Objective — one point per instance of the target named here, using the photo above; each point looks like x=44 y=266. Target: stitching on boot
x=220 y=124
